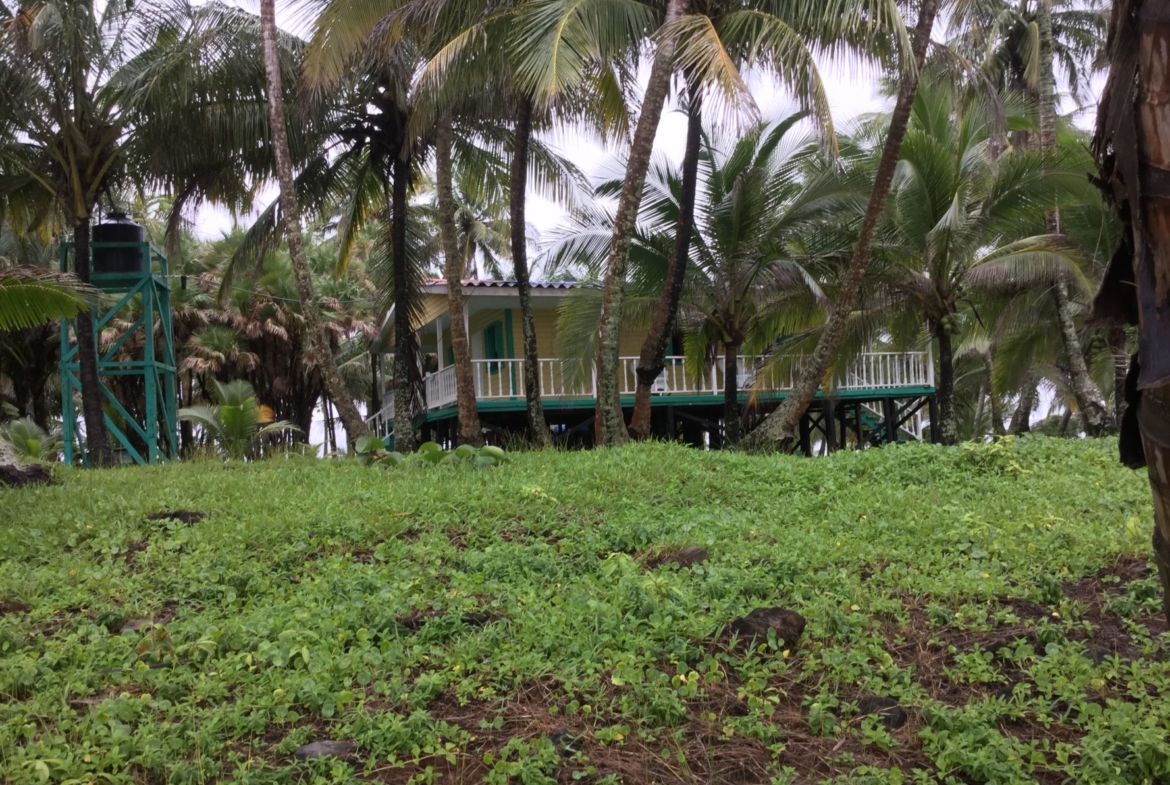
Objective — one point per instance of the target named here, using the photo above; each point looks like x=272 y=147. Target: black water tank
x=118 y=228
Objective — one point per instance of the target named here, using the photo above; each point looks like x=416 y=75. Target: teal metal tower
x=135 y=274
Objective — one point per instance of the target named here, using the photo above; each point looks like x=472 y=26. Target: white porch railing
x=504 y=379
x=381 y=422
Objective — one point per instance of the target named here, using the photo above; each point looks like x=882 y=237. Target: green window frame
x=493 y=345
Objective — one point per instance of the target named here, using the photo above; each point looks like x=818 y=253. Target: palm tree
x=961 y=228
x=1093 y=413
x=466 y=89
x=95 y=95
x=237 y=424
x=760 y=204
x=359 y=166
x=760 y=197
x=66 y=123
x=781 y=424
x=1131 y=151
x=717 y=42
x=1021 y=43
x=28 y=357
x=30 y=297
x=473 y=74
x=30 y=442
x=652 y=357
x=355 y=426
x=610 y=423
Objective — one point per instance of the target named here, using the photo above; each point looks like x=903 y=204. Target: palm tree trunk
x=980 y=403
x=537 y=427
x=330 y=433
x=1022 y=416
x=781 y=424
x=404 y=440
x=947 y=428
x=355 y=427
x=186 y=432
x=610 y=424
x=993 y=401
x=470 y=430
x=1115 y=338
x=1093 y=413
x=97 y=439
x=375 y=386
x=652 y=359
x=731 y=394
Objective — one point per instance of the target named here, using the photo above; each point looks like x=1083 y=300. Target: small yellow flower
x=457 y=667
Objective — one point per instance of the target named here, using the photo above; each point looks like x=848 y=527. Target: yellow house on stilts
x=880 y=397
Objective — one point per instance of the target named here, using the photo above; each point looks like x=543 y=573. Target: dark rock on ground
x=20 y=476
x=1002 y=648
x=1004 y=692
x=189 y=517
x=417 y=619
x=345 y=750
x=478 y=619
x=788 y=625
x=893 y=715
x=563 y=740
x=687 y=556
x=1098 y=655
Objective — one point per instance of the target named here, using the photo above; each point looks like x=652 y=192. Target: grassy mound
x=974 y=614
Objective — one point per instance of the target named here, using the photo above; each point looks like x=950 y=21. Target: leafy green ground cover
x=521 y=623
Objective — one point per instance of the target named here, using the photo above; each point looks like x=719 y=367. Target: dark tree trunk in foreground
x=470 y=430
x=375 y=386
x=1132 y=146
x=404 y=358
x=610 y=424
x=781 y=424
x=947 y=428
x=652 y=359
x=351 y=418
x=537 y=427
x=97 y=439
x=731 y=420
